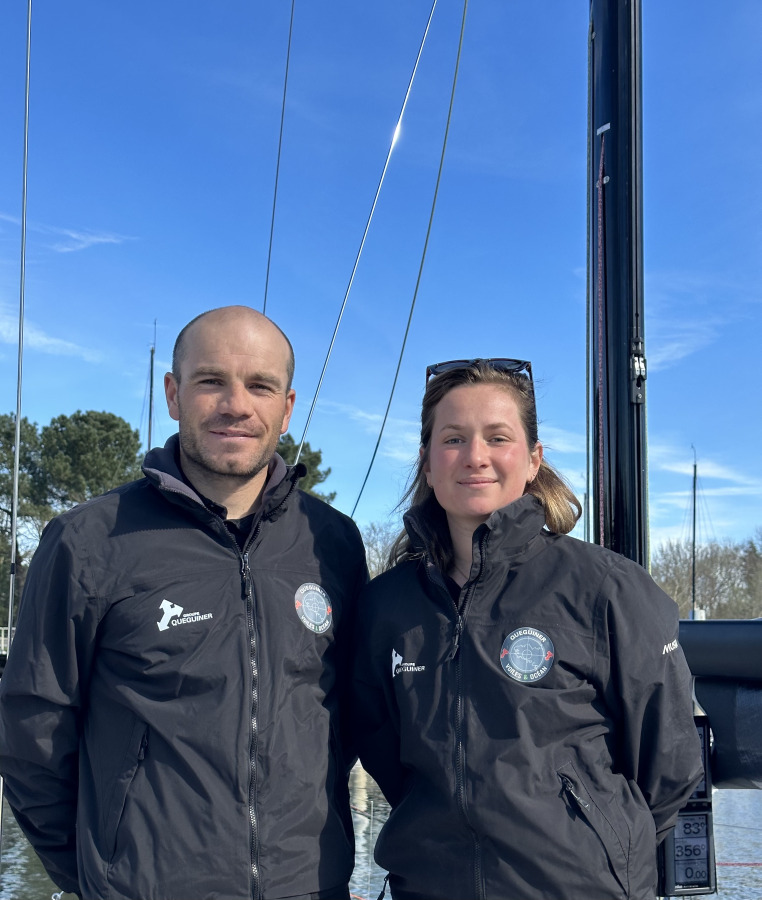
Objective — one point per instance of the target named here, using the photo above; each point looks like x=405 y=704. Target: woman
x=520 y=697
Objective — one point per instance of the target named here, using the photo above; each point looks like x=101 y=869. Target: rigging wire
x=277 y=164
x=423 y=255
x=395 y=137
x=17 y=438
x=588 y=267
x=22 y=281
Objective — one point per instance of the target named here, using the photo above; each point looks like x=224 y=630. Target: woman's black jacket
x=535 y=737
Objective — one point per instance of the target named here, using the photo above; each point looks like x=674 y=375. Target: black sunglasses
x=511 y=366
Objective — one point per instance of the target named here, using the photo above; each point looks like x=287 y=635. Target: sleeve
x=651 y=687
x=374 y=720
x=41 y=695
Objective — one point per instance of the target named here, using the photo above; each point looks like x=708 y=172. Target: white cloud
x=666 y=458
x=751 y=488
x=559 y=440
x=70 y=240
x=37 y=339
x=81 y=240
x=401 y=436
x=669 y=342
x=682 y=312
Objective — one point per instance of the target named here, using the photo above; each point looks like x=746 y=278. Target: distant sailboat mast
x=693 y=540
x=150 y=390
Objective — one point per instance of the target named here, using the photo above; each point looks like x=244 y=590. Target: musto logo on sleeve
x=313 y=607
x=527 y=655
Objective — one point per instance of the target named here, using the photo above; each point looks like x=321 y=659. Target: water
x=737 y=837
x=369 y=811
x=737 y=843
x=22 y=877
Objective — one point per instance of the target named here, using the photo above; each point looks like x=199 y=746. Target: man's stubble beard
x=235 y=468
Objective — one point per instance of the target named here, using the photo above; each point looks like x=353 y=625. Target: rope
x=365 y=233
x=423 y=255
x=277 y=164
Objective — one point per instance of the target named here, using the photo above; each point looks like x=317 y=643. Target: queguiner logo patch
x=527 y=655
x=173 y=615
x=313 y=607
x=399 y=665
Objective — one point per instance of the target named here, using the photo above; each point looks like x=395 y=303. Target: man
x=170 y=712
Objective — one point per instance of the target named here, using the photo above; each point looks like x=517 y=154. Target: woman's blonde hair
x=562 y=508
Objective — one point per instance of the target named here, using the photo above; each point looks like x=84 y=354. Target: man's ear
x=170 y=392
x=290 y=400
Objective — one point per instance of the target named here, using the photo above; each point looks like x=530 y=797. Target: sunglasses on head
x=511 y=366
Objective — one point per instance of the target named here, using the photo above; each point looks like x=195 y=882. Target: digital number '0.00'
x=690 y=874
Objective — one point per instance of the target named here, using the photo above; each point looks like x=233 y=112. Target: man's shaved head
x=223 y=313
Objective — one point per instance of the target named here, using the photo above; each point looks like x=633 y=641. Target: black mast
x=724 y=655
x=616 y=353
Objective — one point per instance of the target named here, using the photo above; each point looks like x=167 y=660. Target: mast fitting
x=637 y=373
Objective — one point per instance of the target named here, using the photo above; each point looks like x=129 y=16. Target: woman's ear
x=535 y=458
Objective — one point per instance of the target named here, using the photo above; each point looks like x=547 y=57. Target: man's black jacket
x=170 y=711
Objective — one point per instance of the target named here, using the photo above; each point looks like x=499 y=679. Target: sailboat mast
x=150 y=389
x=693 y=542
x=616 y=347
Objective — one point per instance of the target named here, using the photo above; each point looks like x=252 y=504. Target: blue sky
x=152 y=152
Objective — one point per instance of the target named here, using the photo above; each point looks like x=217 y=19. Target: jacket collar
x=511 y=528
x=514 y=526
x=161 y=467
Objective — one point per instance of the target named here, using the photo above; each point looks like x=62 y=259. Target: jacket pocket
x=124 y=776
x=597 y=814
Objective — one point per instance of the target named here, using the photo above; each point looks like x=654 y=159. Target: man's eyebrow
x=216 y=372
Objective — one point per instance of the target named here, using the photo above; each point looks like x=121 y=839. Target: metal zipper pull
x=456 y=639
x=569 y=786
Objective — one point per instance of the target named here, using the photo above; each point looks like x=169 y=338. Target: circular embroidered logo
x=527 y=655
x=313 y=607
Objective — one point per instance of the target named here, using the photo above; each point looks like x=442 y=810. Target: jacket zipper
x=256 y=885
x=460 y=751
x=248 y=593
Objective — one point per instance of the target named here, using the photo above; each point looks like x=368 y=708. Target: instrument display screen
x=691 y=850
